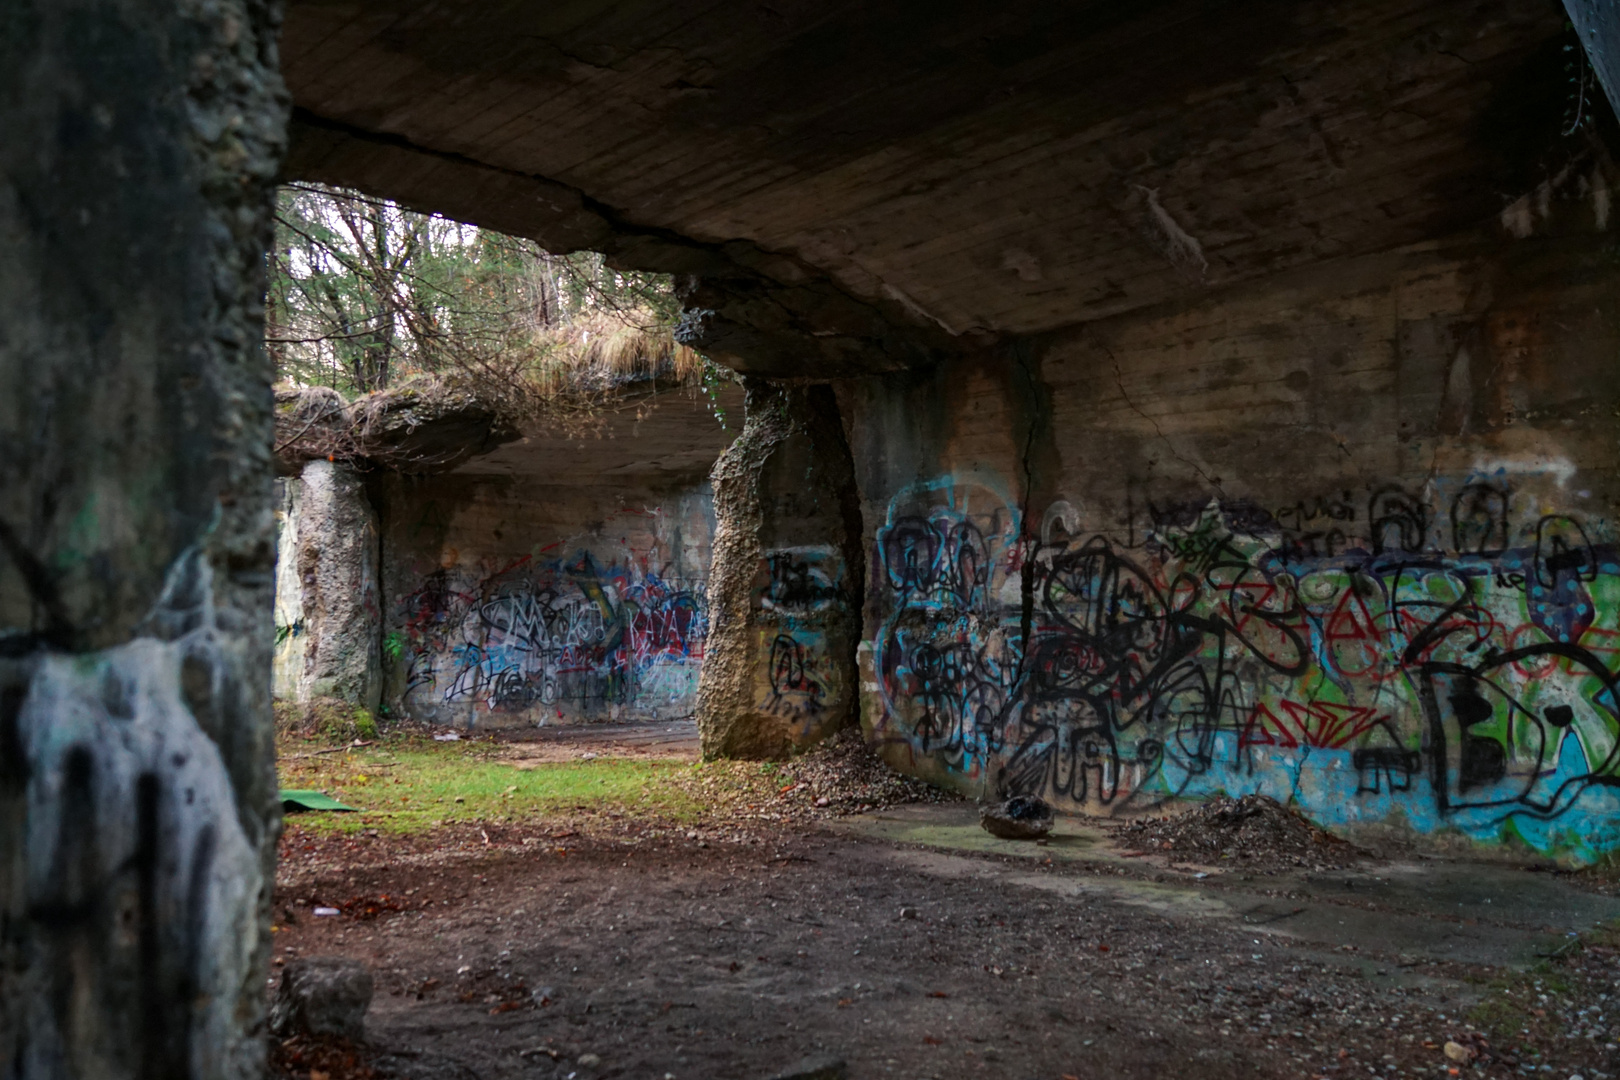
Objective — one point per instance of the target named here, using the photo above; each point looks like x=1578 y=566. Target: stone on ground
x=1022 y=817
x=322 y=995
x=820 y=1067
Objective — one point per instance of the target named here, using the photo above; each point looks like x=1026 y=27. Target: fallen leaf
x=938 y=994
x=844 y=1003
x=1458 y=1052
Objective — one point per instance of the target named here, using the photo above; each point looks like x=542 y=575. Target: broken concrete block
x=1023 y=817
x=818 y=1067
x=322 y=995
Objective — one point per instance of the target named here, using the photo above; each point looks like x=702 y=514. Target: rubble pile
x=844 y=776
x=839 y=776
x=1255 y=829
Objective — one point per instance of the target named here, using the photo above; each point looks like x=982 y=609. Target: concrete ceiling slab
x=862 y=186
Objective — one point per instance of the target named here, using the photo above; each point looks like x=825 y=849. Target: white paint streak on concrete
x=1180 y=245
x=918 y=310
x=1517 y=218
x=1561 y=469
x=107 y=732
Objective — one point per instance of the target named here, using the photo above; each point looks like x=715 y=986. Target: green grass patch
x=1524 y=1006
x=409 y=787
x=1500 y=1020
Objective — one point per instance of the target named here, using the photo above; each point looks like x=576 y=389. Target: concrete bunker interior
x=559 y=578
x=1135 y=408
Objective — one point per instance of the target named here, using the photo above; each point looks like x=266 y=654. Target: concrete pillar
x=138 y=809
x=785 y=582
x=292 y=637
x=328 y=621
x=1598 y=24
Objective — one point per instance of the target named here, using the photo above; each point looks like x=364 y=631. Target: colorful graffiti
x=551 y=637
x=1450 y=662
x=800 y=593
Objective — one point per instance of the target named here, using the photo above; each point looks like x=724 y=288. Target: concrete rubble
x=322 y=995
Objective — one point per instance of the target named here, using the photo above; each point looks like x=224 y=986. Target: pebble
x=589 y=1061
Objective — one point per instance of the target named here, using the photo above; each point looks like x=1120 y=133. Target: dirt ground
x=910 y=945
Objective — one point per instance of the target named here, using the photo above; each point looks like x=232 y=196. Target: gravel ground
x=519 y=951
x=596 y=944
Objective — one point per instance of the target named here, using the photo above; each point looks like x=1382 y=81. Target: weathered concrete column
x=1599 y=27
x=138 y=808
x=785 y=581
x=328 y=621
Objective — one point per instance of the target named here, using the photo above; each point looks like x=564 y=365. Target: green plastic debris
x=297 y=801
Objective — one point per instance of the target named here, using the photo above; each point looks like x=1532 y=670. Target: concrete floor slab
x=671 y=740
x=1441 y=909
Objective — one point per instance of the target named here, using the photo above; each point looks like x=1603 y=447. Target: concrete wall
x=328 y=622
x=514 y=600
x=786 y=580
x=1347 y=539
x=138 y=808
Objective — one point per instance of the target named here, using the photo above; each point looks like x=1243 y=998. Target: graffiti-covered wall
x=511 y=601
x=1352 y=548
x=786 y=580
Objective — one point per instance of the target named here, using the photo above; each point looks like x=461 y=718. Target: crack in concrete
x=58 y=632
x=1119 y=382
x=1027 y=544
x=619 y=225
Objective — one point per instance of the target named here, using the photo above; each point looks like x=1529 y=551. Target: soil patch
x=618 y=954
x=595 y=928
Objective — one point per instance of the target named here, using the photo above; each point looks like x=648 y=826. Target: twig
x=335 y=750
x=319 y=416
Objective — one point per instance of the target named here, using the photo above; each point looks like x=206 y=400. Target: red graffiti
x=1321 y=724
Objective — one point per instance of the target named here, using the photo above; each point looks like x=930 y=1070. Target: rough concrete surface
x=137 y=797
x=330 y=533
x=322 y=995
x=784 y=581
x=1227 y=414
x=906 y=182
x=1433 y=907
x=526 y=598
x=1345 y=541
